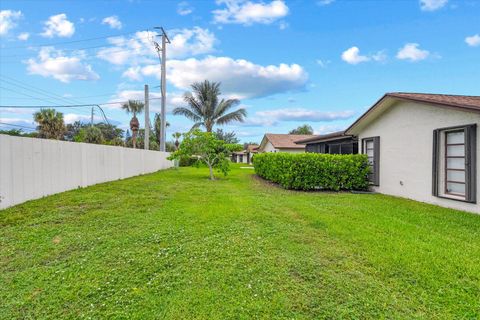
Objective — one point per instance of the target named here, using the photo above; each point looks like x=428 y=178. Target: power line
x=16 y=125
x=73 y=41
x=78 y=49
x=66 y=106
x=50 y=95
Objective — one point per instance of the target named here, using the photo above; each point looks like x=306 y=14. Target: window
x=454 y=163
x=371 y=147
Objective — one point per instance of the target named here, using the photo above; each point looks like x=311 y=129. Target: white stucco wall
x=406 y=138
x=270 y=148
x=32 y=168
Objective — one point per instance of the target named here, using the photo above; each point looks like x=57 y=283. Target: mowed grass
x=174 y=245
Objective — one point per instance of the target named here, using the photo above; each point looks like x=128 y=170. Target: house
x=423 y=147
x=245 y=156
x=273 y=142
x=333 y=143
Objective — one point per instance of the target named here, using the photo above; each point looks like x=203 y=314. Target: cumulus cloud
x=473 y=41
x=58 y=26
x=353 y=56
x=139 y=49
x=8 y=20
x=23 y=36
x=240 y=78
x=184 y=8
x=113 y=22
x=274 y=117
x=325 y=129
x=248 y=12
x=432 y=5
x=72 y=117
x=174 y=99
x=412 y=52
x=55 y=64
x=302 y=114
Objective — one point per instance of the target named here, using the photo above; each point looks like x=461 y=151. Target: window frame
x=470 y=163
x=376 y=158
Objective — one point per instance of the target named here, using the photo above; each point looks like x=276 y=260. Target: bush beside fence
x=314 y=171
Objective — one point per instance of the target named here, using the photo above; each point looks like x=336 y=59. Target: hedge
x=314 y=171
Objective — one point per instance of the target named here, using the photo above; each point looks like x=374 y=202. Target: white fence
x=32 y=168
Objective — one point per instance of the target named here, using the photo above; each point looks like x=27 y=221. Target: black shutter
x=471 y=163
x=435 y=161
x=376 y=161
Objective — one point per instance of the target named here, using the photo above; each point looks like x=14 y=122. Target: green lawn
x=175 y=245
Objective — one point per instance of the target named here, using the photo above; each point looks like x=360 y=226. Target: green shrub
x=314 y=171
x=187 y=162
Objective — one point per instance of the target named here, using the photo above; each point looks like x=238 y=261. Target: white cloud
x=113 y=22
x=53 y=63
x=174 y=99
x=133 y=73
x=72 y=117
x=248 y=12
x=183 y=8
x=411 y=52
x=353 y=56
x=328 y=129
x=273 y=117
x=239 y=78
x=8 y=20
x=325 y=2
x=302 y=114
x=473 y=41
x=283 y=25
x=23 y=36
x=432 y=5
x=322 y=63
x=139 y=48
x=58 y=25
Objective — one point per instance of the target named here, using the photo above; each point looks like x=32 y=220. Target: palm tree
x=50 y=124
x=206 y=110
x=176 y=136
x=134 y=107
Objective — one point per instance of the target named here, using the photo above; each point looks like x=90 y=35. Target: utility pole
x=91 y=118
x=163 y=83
x=147 y=119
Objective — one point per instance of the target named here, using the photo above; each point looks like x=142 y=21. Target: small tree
x=305 y=129
x=206 y=148
x=50 y=124
x=93 y=134
x=228 y=137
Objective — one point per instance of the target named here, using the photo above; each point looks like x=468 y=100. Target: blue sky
x=290 y=62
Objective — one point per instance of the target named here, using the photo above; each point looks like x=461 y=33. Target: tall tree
x=228 y=137
x=176 y=136
x=50 y=124
x=157 y=124
x=305 y=129
x=205 y=108
x=134 y=107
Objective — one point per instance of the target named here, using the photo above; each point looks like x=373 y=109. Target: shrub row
x=314 y=171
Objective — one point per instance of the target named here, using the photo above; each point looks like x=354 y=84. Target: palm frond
x=237 y=115
x=224 y=106
x=183 y=111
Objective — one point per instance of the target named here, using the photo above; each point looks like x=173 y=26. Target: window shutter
x=471 y=163
x=376 y=160
x=435 y=161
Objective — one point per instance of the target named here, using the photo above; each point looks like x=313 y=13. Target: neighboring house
x=245 y=156
x=333 y=143
x=272 y=142
x=423 y=147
